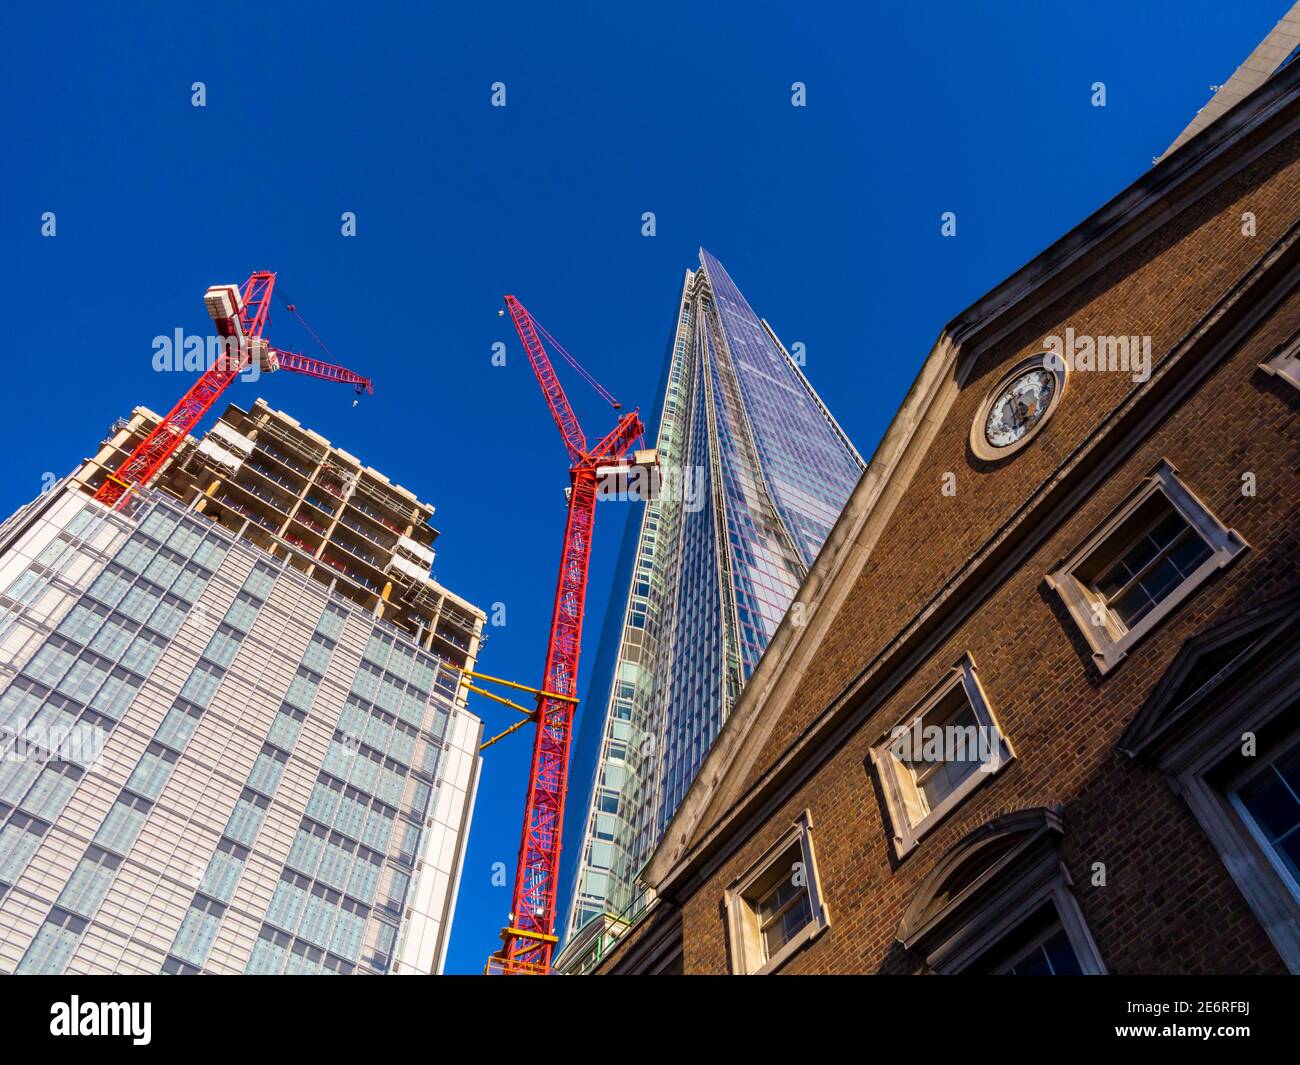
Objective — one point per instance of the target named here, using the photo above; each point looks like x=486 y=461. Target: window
x=948 y=745
x=1268 y=797
x=331 y=622
x=266 y=771
x=774 y=908
x=18 y=842
x=246 y=818
x=287 y=901
x=51 y=948
x=365 y=877
x=323 y=801
x=998 y=901
x=143 y=654
x=1040 y=946
x=52 y=789
x=242 y=612
x=224 y=870
x=116 y=694
x=1149 y=555
x=151 y=772
x=53 y=660
x=113 y=638
x=302 y=689
x=285 y=728
x=260 y=581
x=16 y=776
x=1221 y=725
x=84 y=678
x=202 y=684
x=82 y=622
x=1285 y=361
x=122 y=824
x=1157 y=551
x=195 y=936
x=348 y=930
x=317 y=655
x=305 y=853
x=169 y=616
x=178 y=726
x=89 y=882
x=267 y=958
x=223 y=646
x=335 y=865
x=782 y=913
x=318 y=916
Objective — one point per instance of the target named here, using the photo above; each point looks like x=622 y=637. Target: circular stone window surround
x=1044 y=360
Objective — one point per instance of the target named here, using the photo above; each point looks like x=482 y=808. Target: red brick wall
x=1159 y=289
x=1169 y=905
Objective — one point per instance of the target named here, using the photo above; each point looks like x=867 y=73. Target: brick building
x=1088 y=570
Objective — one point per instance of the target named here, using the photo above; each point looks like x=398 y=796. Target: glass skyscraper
x=220 y=751
x=755 y=472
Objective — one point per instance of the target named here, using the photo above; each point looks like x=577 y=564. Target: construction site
x=307 y=508
x=245 y=624
x=285 y=488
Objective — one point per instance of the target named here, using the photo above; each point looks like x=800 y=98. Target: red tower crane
x=529 y=940
x=241 y=318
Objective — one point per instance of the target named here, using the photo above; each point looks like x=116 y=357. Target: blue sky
x=827 y=217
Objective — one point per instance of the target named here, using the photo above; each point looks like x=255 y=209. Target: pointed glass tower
x=756 y=472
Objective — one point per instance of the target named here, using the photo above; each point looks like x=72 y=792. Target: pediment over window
x=1003 y=858
x=1211 y=664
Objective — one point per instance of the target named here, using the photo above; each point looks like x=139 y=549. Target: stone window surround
x=1252 y=869
x=1284 y=362
x=1192 y=743
x=744 y=951
x=1056 y=893
x=1043 y=360
x=1110 y=642
x=1011 y=885
x=908 y=834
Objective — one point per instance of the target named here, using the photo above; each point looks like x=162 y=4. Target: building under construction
x=232 y=726
x=285 y=488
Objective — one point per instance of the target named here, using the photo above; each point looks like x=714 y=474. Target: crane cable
x=293 y=309
x=600 y=389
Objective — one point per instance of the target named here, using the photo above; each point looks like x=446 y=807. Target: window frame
x=1055 y=893
x=745 y=948
x=1005 y=872
x=1290 y=880
x=1109 y=639
x=1035 y=943
x=1270 y=891
x=1284 y=362
x=1195 y=729
x=896 y=777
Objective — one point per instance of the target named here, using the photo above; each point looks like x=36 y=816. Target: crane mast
x=240 y=319
x=529 y=940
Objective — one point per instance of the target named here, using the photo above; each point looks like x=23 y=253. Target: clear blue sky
x=826 y=216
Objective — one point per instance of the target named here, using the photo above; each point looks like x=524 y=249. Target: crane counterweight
x=240 y=317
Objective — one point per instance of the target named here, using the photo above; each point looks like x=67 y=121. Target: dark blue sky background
x=827 y=217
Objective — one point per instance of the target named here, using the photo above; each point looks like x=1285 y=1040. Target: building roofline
x=1266 y=118
x=1269 y=56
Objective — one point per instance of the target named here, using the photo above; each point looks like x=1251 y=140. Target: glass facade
x=211 y=763
x=754 y=474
